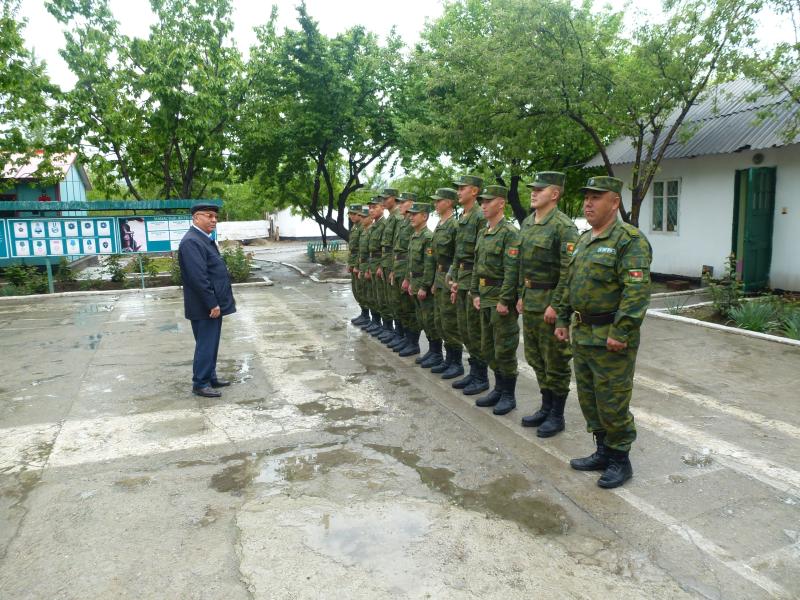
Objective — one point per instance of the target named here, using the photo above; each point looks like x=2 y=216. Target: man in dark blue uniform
x=207 y=297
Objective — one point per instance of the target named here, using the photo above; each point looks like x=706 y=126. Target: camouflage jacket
x=363 y=248
x=496 y=274
x=467 y=227
x=393 y=223
x=608 y=274
x=402 y=238
x=375 y=238
x=544 y=253
x=444 y=246
x=352 y=245
x=421 y=264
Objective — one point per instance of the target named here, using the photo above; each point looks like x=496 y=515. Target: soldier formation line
x=582 y=298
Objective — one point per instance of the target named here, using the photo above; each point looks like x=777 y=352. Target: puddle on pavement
x=171 y=327
x=19 y=486
x=39 y=453
x=500 y=497
x=698 y=459
x=677 y=479
x=331 y=413
x=304 y=467
x=131 y=483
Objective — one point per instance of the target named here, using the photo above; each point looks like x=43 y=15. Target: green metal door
x=758 y=218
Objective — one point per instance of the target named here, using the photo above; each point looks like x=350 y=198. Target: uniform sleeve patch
x=429 y=252
x=513 y=252
x=570 y=248
x=635 y=274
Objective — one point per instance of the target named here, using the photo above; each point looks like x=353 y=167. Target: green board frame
x=161 y=233
x=3 y=239
x=64 y=236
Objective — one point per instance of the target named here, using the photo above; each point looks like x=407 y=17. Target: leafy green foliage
x=755 y=316
x=791 y=324
x=238 y=263
x=24 y=280
x=727 y=291
x=64 y=273
x=175 y=270
x=113 y=267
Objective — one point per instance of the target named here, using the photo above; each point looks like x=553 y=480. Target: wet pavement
x=334 y=469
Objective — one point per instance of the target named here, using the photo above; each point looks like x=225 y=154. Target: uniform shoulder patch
x=632 y=231
x=429 y=251
x=514 y=251
x=569 y=248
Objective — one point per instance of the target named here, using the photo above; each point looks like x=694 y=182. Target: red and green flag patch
x=512 y=252
x=635 y=274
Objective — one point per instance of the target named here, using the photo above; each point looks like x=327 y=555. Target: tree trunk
x=520 y=212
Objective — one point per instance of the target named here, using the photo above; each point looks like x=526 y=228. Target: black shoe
x=455 y=368
x=445 y=364
x=206 y=392
x=218 y=383
x=374 y=324
x=425 y=356
x=493 y=397
x=464 y=382
x=412 y=347
x=436 y=355
x=379 y=329
x=398 y=336
x=480 y=383
x=362 y=318
x=598 y=460
x=398 y=344
x=555 y=418
x=540 y=415
x=618 y=471
x=388 y=331
x=508 y=401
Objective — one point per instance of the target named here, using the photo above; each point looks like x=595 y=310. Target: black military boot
x=366 y=324
x=412 y=347
x=465 y=381
x=445 y=364
x=508 y=400
x=379 y=329
x=455 y=368
x=375 y=324
x=555 y=418
x=481 y=381
x=494 y=396
x=399 y=336
x=401 y=341
x=598 y=460
x=436 y=358
x=618 y=471
x=362 y=318
x=388 y=331
x=427 y=355
x=540 y=415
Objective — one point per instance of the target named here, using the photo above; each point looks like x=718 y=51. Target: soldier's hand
x=613 y=345
x=562 y=334
x=550 y=315
x=501 y=309
x=422 y=294
x=368 y=275
x=476 y=302
x=454 y=287
x=391 y=278
x=379 y=273
x=453 y=296
x=519 y=306
x=404 y=285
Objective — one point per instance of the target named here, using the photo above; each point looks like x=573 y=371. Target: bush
x=791 y=324
x=755 y=316
x=113 y=266
x=238 y=263
x=25 y=280
x=16 y=274
x=175 y=269
x=727 y=291
x=149 y=266
x=64 y=273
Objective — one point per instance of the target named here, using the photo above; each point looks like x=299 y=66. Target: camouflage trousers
x=366 y=292
x=358 y=292
x=426 y=318
x=469 y=324
x=605 y=384
x=446 y=316
x=548 y=357
x=500 y=339
x=379 y=295
x=407 y=311
x=393 y=293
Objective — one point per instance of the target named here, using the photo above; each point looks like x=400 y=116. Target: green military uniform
x=420 y=274
x=352 y=263
x=369 y=252
x=469 y=322
x=607 y=295
x=392 y=292
x=375 y=256
x=545 y=251
x=406 y=310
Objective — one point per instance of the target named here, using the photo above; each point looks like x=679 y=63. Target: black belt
x=539 y=285
x=466 y=264
x=417 y=274
x=374 y=254
x=387 y=248
x=595 y=319
x=443 y=265
x=400 y=255
x=484 y=281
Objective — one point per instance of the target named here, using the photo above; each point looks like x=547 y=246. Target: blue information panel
x=3 y=239
x=153 y=234
x=62 y=237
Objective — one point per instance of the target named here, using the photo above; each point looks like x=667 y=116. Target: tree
x=155 y=112
x=25 y=95
x=318 y=110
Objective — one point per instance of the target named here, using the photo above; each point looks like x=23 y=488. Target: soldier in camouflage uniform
x=494 y=294
x=419 y=276
x=391 y=292
x=406 y=319
x=469 y=224
x=608 y=291
x=363 y=264
x=354 y=214
x=444 y=246
x=547 y=240
x=375 y=238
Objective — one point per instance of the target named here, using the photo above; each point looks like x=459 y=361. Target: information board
x=153 y=234
x=62 y=237
x=3 y=239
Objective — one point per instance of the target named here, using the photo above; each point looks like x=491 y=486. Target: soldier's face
x=492 y=208
x=543 y=196
x=600 y=208
x=375 y=210
x=418 y=220
x=466 y=193
x=390 y=202
x=404 y=206
x=442 y=206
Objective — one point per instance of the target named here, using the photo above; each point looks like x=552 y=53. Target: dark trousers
x=206 y=345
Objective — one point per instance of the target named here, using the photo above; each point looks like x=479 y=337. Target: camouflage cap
x=494 y=191
x=405 y=196
x=389 y=193
x=376 y=200
x=603 y=184
x=364 y=211
x=543 y=179
x=469 y=180
x=354 y=208
x=445 y=194
x=419 y=207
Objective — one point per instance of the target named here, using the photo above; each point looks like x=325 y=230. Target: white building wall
x=705 y=214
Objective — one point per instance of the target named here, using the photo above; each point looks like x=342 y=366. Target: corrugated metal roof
x=103 y=205
x=734 y=116
x=27 y=170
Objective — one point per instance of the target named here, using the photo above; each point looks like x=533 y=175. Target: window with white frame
x=665 y=205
